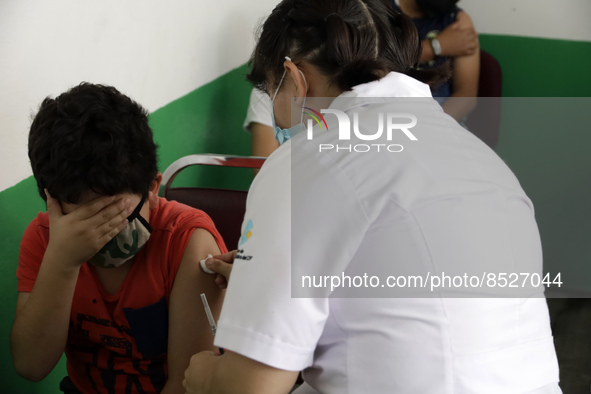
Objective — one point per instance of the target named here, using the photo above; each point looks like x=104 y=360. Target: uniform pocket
x=149 y=328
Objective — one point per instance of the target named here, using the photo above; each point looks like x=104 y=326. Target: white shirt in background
x=259 y=110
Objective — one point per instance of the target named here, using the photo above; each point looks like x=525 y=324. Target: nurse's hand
x=196 y=381
x=222 y=265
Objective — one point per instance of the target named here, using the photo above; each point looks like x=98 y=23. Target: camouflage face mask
x=127 y=243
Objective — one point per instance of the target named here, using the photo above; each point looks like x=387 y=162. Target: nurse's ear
x=153 y=192
x=298 y=78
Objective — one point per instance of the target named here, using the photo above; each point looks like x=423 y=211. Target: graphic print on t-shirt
x=148 y=327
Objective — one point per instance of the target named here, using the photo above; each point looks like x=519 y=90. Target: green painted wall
x=546 y=143
x=534 y=67
x=208 y=120
x=551 y=163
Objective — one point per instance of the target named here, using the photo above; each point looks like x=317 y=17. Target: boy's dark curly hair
x=92 y=138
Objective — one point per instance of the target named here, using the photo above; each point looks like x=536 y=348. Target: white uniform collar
x=393 y=84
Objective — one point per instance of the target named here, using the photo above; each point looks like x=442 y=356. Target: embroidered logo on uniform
x=247 y=233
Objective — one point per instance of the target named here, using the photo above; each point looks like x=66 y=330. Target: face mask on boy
x=282 y=135
x=127 y=243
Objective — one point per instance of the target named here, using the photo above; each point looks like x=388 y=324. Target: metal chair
x=226 y=207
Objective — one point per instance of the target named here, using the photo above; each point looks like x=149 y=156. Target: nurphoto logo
x=394 y=123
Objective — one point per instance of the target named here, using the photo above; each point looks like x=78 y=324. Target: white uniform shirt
x=259 y=110
x=447 y=200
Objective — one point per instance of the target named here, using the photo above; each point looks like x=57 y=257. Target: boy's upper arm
x=189 y=330
x=30 y=256
x=466 y=69
x=466 y=73
x=21 y=300
x=464 y=20
x=32 y=249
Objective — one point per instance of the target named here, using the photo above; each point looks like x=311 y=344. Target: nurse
x=444 y=203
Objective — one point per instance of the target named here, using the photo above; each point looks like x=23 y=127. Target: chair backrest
x=225 y=207
x=491 y=76
x=485 y=120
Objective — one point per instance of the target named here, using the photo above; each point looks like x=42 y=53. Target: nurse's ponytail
x=350 y=41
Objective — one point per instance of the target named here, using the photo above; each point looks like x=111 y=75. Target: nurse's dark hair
x=431 y=8
x=91 y=138
x=349 y=41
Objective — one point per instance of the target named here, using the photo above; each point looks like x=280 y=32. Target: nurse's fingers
x=227 y=257
x=219 y=266
x=221 y=281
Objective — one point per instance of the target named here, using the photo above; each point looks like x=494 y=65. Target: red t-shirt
x=118 y=343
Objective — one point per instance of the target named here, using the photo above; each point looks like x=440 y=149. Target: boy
x=442 y=26
x=110 y=273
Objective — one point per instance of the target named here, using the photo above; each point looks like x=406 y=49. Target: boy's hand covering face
x=81 y=233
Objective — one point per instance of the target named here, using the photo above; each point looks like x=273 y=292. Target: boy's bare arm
x=189 y=329
x=235 y=373
x=466 y=73
x=263 y=141
x=40 y=328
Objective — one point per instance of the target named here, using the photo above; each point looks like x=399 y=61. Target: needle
x=210 y=317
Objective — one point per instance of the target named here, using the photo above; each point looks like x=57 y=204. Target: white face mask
x=282 y=135
x=127 y=243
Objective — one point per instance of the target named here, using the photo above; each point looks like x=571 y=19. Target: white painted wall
x=156 y=51
x=153 y=50
x=564 y=19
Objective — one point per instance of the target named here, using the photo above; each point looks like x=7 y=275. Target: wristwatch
x=435 y=45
